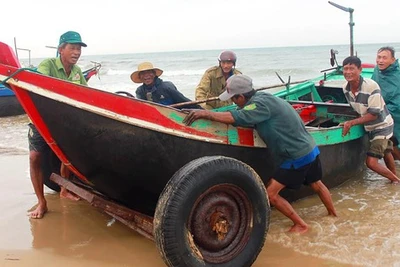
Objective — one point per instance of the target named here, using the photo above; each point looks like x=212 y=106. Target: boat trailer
x=141 y=223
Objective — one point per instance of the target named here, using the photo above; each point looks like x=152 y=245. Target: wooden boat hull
x=201 y=183
x=128 y=149
x=132 y=164
x=9 y=104
x=127 y=163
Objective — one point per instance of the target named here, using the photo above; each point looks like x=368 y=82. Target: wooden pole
x=216 y=97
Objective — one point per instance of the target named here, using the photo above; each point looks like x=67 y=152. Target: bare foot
x=332 y=213
x=300 y=229
x=64 y=193
x=38 y=213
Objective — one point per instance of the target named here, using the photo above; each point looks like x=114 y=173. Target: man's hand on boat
x=195 y=114
x=346 y=127
x=360 y=120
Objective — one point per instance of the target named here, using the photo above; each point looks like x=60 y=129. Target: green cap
x=71 y=37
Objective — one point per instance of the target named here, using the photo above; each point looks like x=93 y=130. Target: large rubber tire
x=214 y=211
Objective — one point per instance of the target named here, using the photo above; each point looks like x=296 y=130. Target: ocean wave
x=184 y=72
x=113 y=72
x=283 y=72
x=13 y=151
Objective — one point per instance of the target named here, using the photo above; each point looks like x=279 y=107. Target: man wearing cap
x=62 y=67
x=156 y=90
x=281 y=128
x=213 y=82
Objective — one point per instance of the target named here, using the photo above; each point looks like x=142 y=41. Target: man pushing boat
x=364 y=95
x=281 y=128
x=62 y=67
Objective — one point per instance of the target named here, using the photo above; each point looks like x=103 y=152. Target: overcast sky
x=131 y=26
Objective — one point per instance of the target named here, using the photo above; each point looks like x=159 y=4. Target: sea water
x=185 y=68
x=365 y=232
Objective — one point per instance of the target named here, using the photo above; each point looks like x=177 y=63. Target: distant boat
x=9 y=105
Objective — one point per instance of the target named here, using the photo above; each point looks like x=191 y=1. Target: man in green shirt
x=281 y=128
x=62 y=67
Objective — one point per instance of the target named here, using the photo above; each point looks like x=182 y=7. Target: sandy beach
x=75 y=233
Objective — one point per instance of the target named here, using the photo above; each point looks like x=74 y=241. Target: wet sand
x=75 y=233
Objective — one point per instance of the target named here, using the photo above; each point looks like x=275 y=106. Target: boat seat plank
x=318 y=121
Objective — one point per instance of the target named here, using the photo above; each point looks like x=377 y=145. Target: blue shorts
x=305 y=175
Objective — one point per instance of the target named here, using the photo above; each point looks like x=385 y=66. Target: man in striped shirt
x=364 y=95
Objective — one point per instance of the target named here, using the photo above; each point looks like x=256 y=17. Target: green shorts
x=379 y=147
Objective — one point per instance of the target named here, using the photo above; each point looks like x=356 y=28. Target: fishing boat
x=197 y=191
x=202 y=186
x=9 y=104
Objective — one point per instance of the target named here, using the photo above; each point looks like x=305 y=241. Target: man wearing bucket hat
x=213 y=82
x=62 y=67
x=281 y=128
x=155 y=89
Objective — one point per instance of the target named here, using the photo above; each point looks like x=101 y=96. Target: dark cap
x=71 y=37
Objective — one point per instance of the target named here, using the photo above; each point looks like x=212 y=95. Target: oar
x=216 y=97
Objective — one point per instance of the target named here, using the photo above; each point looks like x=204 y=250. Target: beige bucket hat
x=143 y=67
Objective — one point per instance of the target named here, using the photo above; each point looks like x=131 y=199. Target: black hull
x=131 y=164
x=9 y=106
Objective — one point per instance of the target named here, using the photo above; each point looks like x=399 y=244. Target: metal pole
x=15 y=45
x=351 y=23
x=29 y=54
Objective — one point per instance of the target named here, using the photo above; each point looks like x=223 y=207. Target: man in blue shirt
x=156 y=90
x=281 y=128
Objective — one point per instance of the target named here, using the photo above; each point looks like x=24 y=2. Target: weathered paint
x=233 y=137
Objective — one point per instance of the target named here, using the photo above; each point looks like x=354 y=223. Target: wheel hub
x=220 y=222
